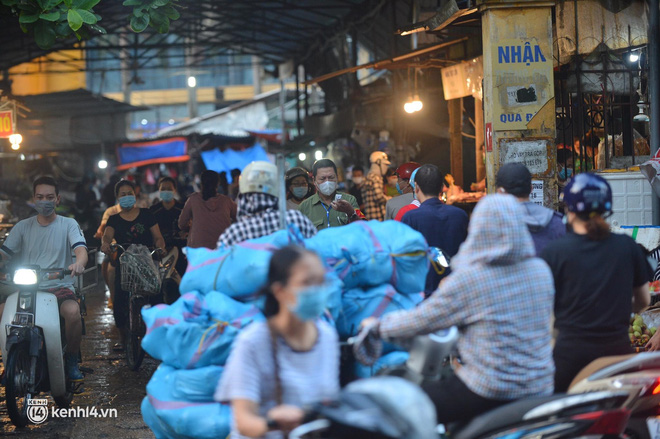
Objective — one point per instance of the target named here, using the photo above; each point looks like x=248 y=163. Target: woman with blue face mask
x=167 y=212
x=132 y=225
x=291 y=360
x=299 y=187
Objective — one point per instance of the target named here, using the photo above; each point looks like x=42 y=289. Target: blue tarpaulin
x=229 y=159
x=130 y=155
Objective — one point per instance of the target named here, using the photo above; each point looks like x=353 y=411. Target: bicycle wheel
x=17 y=384
x=136 y=330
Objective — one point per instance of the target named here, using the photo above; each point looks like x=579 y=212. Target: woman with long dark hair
x=600 y=278
x=290 y=360
x=207 y=214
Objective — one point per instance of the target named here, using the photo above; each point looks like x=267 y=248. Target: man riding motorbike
x=500 y=296
x=47 y=240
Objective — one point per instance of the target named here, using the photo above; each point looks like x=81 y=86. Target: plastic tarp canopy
x=130 y=155
x=229 y=159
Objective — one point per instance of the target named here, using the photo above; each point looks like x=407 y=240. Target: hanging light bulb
x=15 y=140
x=634 y=57
x=318 y=155
x=409 y=106
x=102 y=164
x=417 y=104
x=302 y=156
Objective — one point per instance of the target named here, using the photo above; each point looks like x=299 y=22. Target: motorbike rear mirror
x=441 y=258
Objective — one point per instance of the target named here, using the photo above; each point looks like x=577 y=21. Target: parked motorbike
x=33 y=342
x=637 y=375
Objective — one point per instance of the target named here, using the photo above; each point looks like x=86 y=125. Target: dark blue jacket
x=443 y=226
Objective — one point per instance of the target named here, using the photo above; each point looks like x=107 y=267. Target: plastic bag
x=170 y=415
x=354 y=253
x=358 y=304
x=238 y=271
x=138 y=270
x=196 y=331
x=409 y=251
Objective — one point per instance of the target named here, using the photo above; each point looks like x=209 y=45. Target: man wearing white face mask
x=324 y=209
x=372 y=190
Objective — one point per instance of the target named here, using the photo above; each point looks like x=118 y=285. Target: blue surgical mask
x=166 y=196
x=299 y=192
x=398 y=189
x=127 y=202
x=311 y=302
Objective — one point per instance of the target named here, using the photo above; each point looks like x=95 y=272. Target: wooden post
x=479 y=139
x=456 y=139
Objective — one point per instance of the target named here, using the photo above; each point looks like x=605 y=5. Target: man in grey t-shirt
x=47 y=240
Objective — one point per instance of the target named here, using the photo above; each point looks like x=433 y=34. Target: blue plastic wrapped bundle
x=358 y=304
x=392 y=359
x=355 y=254
x=410 y=252
x=238 y=271
x=179 y=404
x=195 y=332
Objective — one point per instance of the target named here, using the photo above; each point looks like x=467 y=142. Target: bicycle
x=143 y=280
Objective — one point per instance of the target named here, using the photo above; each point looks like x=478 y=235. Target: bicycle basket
x=138 y=271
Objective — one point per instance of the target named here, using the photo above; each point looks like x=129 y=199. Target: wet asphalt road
x=111 y=386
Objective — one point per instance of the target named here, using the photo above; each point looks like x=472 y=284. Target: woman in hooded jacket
x=505 y=333
x=207 y=214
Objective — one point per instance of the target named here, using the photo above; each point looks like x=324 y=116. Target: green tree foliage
x=50 y=20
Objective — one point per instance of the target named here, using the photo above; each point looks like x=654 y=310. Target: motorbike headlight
x=25 y=276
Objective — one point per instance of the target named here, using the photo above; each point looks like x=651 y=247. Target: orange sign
x=6 y=124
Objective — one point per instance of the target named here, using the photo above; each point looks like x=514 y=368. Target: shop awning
x=131 y=155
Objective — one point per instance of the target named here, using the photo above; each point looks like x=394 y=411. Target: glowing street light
x=15 y=140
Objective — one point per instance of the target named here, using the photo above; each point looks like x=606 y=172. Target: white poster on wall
x=536 y=196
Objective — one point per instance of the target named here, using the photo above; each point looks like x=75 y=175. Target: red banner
x=6 y=124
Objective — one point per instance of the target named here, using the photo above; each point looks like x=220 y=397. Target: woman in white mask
x=299 y=187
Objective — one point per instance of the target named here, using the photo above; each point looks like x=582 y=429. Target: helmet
x=587 y=193
x=405 y=171
x=259 y=177
x=295 y=172
x=379 y=155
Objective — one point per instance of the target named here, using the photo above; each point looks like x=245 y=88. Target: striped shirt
x=306 y=377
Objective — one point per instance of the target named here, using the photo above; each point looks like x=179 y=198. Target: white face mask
x=328 y=188
x=358 y=180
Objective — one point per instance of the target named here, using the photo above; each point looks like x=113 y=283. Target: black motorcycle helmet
x=297 y=172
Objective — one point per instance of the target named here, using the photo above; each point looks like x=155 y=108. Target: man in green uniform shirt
x=325 y=208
